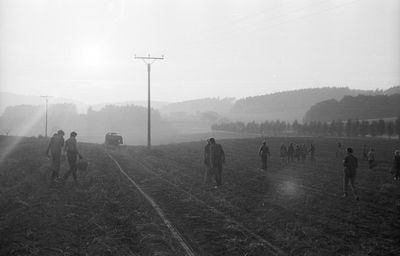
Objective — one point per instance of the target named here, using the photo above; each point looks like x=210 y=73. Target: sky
x=84 y=49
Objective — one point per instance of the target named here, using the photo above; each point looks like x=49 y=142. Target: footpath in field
x=298 y=208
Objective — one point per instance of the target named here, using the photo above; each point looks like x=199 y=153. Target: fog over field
x=211 y=63
x=200 y=127
x=197 y=119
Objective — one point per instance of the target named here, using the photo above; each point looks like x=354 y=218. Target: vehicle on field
x=114 y=139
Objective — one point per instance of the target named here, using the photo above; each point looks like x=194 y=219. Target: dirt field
x=292 y=209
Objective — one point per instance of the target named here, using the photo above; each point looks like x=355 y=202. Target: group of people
x=296 y=152
x=214 y=158
x=350 y=164
x=288 y=154
x=56 y=148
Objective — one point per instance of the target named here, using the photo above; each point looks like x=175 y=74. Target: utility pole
x=148 y=61
x=46 y=97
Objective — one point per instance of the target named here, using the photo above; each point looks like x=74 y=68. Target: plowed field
x=290 y=209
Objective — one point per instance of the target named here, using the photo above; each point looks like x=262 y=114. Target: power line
x=46 y=97
x=281 y=18
x=148 y=60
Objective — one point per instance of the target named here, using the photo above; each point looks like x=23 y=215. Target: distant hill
x=359 y=107
x=141 y=103
x=11 y=99
x=217 y=105
x=284 y=106
x=392 y=90
x=289 y=105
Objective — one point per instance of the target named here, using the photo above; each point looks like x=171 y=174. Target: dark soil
x=294 y=209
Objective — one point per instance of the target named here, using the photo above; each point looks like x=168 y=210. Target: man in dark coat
x=55 y=147
x=72 y=156
x=283 y=154
x=312 y=152
x=290 y=152
x=371 y=158
x=208 y=172
x=396 y=165
x=365 y=152
x=297 y=153
x=350 y=164
x=214 y=157
x=264 y=154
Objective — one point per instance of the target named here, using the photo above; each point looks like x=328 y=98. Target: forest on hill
x=217 y=105
x=285 y=106
x=289 y=105
x=359 y=107
x=393 y=90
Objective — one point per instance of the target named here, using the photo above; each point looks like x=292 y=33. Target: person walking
x=72 y=156
x=365 y=152
x=312 y=153
x=350 y=164
x=208 y=172
x=264 y=154
x=214 y=159
x=371 y=159
x=283 y=154
x=297 y=153
x=290 y=152
x=396 y=165
x=339 y=150
x=303 y=153
x=55 y=148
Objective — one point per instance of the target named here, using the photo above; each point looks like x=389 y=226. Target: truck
x=113 y=139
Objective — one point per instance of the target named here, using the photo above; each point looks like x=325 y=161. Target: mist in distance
x=224 y=62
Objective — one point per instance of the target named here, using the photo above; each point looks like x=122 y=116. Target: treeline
x=359 y=107
x=199 y=106
x=28 y=120
x=349 y=128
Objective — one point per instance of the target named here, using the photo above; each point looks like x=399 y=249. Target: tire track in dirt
x=157 y=208
x=209 y=213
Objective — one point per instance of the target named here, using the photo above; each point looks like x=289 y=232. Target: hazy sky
x=84 y=49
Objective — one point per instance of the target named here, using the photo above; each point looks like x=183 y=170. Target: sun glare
x=23 y=131
x=92 y=57
x=289 y=188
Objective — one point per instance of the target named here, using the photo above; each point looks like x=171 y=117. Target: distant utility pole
x=47 y=100
x=148 y=61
